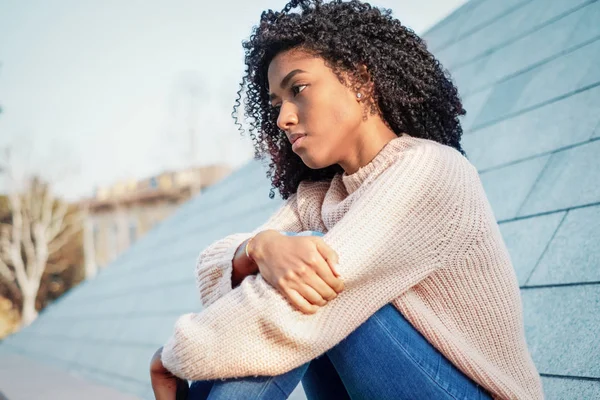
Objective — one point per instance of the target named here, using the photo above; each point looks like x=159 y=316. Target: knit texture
x=414 y=228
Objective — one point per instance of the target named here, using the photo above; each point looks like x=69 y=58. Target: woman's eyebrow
x=289 y=77
x=285 y=81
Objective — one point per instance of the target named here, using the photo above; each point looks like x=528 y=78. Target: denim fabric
x=384 y=358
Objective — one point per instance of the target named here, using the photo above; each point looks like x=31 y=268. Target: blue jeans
x=384 y=358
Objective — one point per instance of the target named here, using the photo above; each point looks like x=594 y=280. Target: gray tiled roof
x=529 y=74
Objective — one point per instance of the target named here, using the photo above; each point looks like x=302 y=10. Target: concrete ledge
x=23 y=379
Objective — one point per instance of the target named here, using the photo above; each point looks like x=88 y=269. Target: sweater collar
x=382 y=160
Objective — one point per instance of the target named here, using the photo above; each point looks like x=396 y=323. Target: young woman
x=404 y=288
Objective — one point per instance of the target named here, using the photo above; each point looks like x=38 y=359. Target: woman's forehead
x=292 y=59
x=288 y=61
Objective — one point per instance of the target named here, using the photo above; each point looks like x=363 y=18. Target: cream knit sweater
x=414 y=228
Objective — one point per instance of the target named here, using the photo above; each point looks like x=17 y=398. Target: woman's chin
x=313 y=163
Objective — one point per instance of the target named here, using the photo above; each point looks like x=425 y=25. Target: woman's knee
x=385 y=335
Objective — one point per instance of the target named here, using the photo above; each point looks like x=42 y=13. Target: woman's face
x=311 y=101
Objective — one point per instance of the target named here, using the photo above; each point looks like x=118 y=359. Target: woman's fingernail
x=336 y=269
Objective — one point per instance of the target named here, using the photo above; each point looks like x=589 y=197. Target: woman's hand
x=165 y=385
x=302 y=268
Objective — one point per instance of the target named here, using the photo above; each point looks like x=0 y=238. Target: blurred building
x=120 y=214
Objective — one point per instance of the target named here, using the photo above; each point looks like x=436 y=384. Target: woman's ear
x=365 y=90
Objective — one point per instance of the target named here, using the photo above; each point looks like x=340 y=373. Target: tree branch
x=6 y=273
x=41 y=250
x=57 y=267
x=64 y=238
x=57 y=223
x=5 y=243
x=48 y=206
x=14 y=243
x=28 y=245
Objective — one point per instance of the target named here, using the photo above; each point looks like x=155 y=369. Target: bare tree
x=40 y=225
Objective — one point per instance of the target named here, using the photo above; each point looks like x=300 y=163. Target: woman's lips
x=298 y=142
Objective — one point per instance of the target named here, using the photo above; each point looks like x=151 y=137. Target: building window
x=153 y=182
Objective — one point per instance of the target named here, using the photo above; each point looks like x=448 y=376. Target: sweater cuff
x=177 y=356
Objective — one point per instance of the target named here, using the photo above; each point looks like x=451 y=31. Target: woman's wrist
x=243 y=262
x=255 y=245
x=247 y=247
x=245 y=265
x=242 y=266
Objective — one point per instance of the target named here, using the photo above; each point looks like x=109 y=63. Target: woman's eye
x=297 y=89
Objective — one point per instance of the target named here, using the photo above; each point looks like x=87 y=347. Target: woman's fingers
x=314 y=279
x=314 y=290
x=325 y=269
x=312 y=282
x=329 y=255
x=299 y=302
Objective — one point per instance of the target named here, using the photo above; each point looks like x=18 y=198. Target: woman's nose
x=287 y=118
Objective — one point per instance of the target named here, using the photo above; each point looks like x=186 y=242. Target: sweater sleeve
x=405 y=226
x=214 y=265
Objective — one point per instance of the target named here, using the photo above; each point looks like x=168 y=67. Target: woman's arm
x=223 y=265
x=242 y=265
x=416 y=217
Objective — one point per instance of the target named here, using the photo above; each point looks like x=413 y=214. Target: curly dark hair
x=412 y=91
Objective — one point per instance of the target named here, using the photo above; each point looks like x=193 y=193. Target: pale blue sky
x=101 y=88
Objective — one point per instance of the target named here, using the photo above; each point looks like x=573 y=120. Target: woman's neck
x=373 y=137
